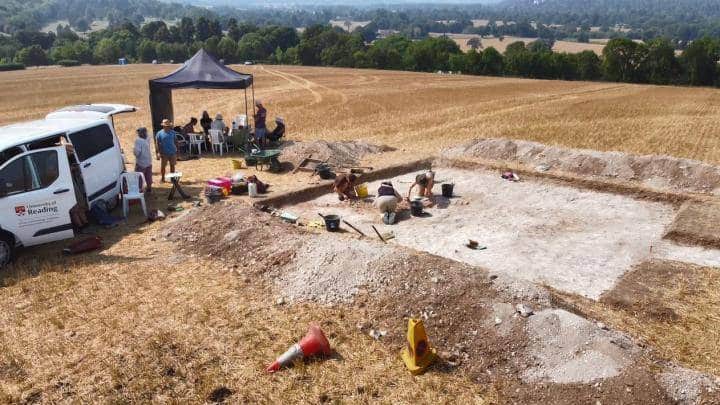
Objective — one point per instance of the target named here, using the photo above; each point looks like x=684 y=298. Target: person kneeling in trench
x=387 y=201
x=344 y=186
x=425 y=182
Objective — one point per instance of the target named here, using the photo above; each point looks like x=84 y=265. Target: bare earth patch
x=571 y=239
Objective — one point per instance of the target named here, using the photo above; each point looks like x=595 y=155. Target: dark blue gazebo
x=202 y=71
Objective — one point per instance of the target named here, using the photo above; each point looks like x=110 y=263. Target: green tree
x=474 y=43
x=150 y=29
x=162 y=34
x=388 y=53
x=211 y=45
x=517 y=59
x=699 y=61
x=342 y=53
x=107 y=51
x=202 y=29
x=623 y=59
x=430 y=54
x=186 y=30
x=233 y=30
x=63 y=50
x=588 y=66
x=33 y=55
x=661 y=65
x=493 y=63
x=164 y=52
x=252 y=47
x=147 y=51
x=227 y=50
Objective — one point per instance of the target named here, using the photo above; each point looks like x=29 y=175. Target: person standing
x=260 y=126
x=206 y=122
x=167 y=148
x=143 y=157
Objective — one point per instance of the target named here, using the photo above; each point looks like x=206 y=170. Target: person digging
x=344 y=186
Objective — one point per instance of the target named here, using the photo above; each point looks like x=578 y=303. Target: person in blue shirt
x=167 y=147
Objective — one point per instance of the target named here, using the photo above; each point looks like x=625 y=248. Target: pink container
x=223 y=182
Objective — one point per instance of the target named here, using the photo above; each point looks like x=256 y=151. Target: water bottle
x=252 y=190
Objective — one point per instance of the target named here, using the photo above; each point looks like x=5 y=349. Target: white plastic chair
x=216 y=139
x=181 y=141
x=198 y=141
x=131 y=180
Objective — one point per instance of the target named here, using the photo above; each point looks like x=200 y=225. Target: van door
x=36 y=195
x=100 y=160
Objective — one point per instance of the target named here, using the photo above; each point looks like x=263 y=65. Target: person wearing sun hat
x=166 y=147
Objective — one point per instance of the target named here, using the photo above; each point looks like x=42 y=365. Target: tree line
x=622 y=60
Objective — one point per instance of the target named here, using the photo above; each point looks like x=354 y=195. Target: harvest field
x=166 y=313
x=420 y=113
x=502 y=44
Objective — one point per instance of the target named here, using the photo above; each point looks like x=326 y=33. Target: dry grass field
x=502 y=44
x=138 y=323
x=419 y=113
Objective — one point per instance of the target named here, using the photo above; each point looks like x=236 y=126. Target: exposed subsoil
x=653 y=171
x=471 y=321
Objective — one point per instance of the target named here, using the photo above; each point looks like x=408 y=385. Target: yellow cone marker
x=418 y=355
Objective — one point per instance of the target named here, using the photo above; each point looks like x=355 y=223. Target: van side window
x=15 y=178
x=92 y=141
x=30 y=172
x=9 y=153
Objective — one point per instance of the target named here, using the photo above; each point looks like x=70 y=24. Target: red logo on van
x=20 y=210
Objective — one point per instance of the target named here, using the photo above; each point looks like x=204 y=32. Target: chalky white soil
x=575 y=240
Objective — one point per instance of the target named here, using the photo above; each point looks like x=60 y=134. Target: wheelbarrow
x=265 y=157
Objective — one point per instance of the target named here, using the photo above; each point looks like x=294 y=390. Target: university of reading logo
x=43 y=208
x=20 y=210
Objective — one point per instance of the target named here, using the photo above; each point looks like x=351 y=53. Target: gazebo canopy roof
x=203 y=71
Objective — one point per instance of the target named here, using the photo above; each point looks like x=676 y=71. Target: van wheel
x=7 y=249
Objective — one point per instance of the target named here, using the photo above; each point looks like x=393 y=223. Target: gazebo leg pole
x=253 y=100
x=246 y=109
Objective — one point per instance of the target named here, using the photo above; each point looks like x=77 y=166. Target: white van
x=41 y=180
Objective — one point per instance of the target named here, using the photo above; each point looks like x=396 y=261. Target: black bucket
x=416 y=208
x=447 y=190
x=332 y=223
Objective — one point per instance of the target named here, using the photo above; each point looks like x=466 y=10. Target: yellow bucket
x=361 y=190
x=237 y=165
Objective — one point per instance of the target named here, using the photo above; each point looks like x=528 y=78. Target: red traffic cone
x=313 y=343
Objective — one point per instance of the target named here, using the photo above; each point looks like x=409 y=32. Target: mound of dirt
x=653 y=171
x=242 y=236
x=335 y=153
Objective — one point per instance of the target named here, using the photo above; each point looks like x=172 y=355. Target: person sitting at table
x=278 y=132
x=206 y=122
x=189 y=128
x=219 y=125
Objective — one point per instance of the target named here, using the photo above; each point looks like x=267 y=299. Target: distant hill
x=34 y=14
x=622 y=11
